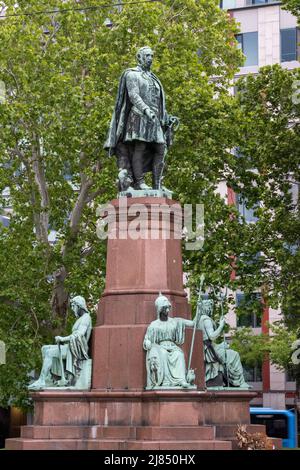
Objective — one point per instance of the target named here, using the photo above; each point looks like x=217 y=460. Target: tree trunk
x=60 y=296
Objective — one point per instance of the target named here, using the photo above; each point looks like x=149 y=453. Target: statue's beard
x=144 y=65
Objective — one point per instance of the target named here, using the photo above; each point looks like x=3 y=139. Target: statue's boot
x=37 y=385
x=158 y=165
x=184 y=385
x=245 y=385
x=137 y=167
x=157 y=177
x=123 y=160
x=142 y=185
x=157 y=171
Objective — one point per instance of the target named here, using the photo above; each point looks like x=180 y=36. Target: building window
x=244 y=210
x=248 y=43
x=249 y=310
x=251 y=260
x=231 y=4
x=253 y=373
x=228 y=4
x=290 y=375
x=288 y=40
x=4 y=220
x=260 y=2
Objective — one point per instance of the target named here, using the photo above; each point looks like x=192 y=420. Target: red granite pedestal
x=118 y=413
x=135 y=420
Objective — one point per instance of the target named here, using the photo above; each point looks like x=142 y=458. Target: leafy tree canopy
x=60 y=72
x=266 y=175
x=293 y=6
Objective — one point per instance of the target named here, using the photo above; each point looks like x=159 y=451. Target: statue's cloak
x=121 y=112
x=77 y=348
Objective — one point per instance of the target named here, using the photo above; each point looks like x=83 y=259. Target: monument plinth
x=140 y=264
x=118 y=413
x=143 y=259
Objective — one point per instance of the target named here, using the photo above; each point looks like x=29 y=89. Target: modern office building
x=268 y=35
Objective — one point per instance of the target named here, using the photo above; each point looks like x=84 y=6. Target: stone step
x=64 y=444
x=109 y=444
x=182 y=433
x=180 y=445
x=120 y=432
x=78 y=432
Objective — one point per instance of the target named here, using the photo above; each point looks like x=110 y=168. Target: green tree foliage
x=276 y=346
x=61 y=72
x=293 y=6
x=266 y=175
x=252 y=348
x=281 y=340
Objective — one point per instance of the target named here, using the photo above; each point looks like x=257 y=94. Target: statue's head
x=78 y=305
x=163 y=306
x=145 y=57
x=207 y=307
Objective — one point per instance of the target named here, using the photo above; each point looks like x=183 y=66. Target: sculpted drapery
x=165 y=362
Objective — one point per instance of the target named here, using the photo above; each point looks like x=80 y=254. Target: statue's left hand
x=174 y=122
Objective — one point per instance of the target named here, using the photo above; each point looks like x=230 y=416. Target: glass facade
x=228 y=4
x=253 y=374
x=288 y=44
x=248 y=42
x=290 y=375
x=244 y=210
x=231 y=4
x=259 y=2
x=248 y=306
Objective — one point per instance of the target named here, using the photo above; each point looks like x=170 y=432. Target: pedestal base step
x=151 y=433
x=118 y=438
x=111 y=444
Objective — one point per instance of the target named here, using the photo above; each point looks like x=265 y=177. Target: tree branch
x=40 y=179
x=86 y=184
x=9 y=72
x=96 y=193
x=56 y=28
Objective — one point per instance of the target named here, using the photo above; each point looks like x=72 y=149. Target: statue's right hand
x=222 y=322
x=150 y=114
x=58 y=339
x=147 y=344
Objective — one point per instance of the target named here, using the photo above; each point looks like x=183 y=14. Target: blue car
x=279 y=423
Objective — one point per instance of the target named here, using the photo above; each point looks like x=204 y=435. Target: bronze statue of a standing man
x=140 y=129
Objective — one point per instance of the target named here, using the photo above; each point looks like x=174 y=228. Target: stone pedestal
x=140 y=264
x=136 y=420
x=118 y=413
